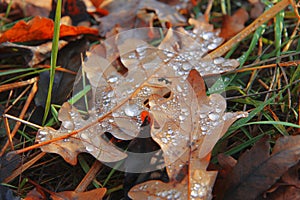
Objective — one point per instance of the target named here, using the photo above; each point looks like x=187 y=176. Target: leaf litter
x=185 y=122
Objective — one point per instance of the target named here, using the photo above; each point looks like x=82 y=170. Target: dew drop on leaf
x=132 y=110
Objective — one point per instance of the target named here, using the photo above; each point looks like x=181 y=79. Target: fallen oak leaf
x=151 y=83
x=70 y=147
x=194 y=182
x=96 y=194
x=257 y=170
x=40 y=28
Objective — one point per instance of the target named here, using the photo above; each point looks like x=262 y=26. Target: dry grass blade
x=22 y=114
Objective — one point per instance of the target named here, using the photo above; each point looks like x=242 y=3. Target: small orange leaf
x=40 y=28
x=96 y=194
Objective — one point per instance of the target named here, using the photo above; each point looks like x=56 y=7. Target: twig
x=89 y=176
x=7 y=129
x=10 y=86
x=21 y=120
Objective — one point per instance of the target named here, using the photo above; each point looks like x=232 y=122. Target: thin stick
x=22 y=114
x=6 y=125
x=23 y=121
x=208 y=9
x=284 y=64
x=17 y=99
x=89 y=176
x=249 y=29
x=10 y=86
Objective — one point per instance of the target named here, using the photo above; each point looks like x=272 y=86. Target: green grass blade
x=275 y=123
x=53 y=57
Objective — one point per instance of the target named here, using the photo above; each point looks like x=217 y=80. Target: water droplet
x=194 y=193
x=212 y=46
x=68 y=125
x=202 y=116
x=219 y=60
x=218 y=110
x=141 y=50
x=170 y=54
x=213 y=116
x=42 y=132
x=132 y=110
x=112 y=79
x=207 y=35
x=89 y=148
x=84 y=136
x=177 y=195
x=110 y=94
x=182 y=117
x=186 y=66
x=164 y=140
x=203 y=128
x=178 y=88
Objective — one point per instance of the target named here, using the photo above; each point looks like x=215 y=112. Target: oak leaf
x=132 y=75
x=257 y=170
x=187 y=157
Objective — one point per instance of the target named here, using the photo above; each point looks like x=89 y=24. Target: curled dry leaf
x=132 y=75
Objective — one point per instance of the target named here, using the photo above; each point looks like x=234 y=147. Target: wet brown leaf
x=69 y=148
x=187 y=158
x=133 y=76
